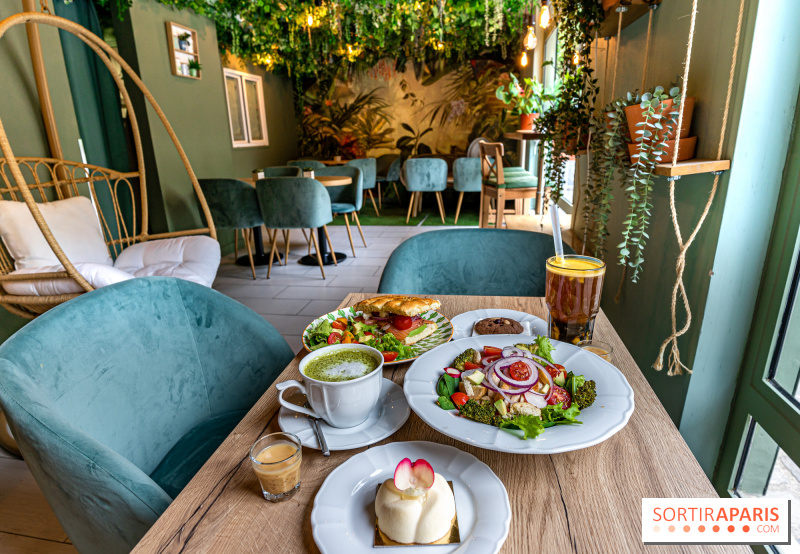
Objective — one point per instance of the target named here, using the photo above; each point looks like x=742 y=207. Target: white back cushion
x=98 y=275
x=73 y=223
x=193 y=258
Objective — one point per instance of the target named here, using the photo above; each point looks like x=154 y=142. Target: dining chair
x=294 y=203
x=278 y=171
x=234 y=205
x=347 y=199
x=477 y=262
x=502 y=183
x=466 y=178
x=313 y=164
x=388 y=171
x=424 y=175
x=368 y=175
x=118 y=397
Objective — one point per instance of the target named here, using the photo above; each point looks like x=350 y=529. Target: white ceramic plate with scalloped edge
x=343 y=516
x=610 y=412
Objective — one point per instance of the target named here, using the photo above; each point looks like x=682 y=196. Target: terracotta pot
x=686 y=148
x=526 y=121
x=633 y=115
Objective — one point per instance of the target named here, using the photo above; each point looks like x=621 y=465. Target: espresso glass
x=276 y=459
x=574 y=286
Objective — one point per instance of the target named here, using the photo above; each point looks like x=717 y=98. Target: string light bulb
x=523 y=61
x=310 y=20
x=576 y=58
x=440 y=45
x=530 y=38
x=544 y=17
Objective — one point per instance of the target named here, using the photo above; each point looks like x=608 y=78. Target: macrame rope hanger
x=676 y=367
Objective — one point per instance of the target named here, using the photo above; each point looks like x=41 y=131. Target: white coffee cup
x=341 y=404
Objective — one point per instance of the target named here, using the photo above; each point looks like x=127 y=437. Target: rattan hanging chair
x=40 y=180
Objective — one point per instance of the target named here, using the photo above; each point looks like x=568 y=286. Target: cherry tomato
x=348 y=338
x=338 y=325
x=342 y=320
x=491 y=359
x=389 y=356
x=402 y=322
x=459 y=399
x=560 y=395
x=555 y=370
x=334 y=338
x=492 y=351
x=519 y=371
x=470 y=365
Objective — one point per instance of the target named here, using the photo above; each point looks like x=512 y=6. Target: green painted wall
x=721 y=288
x=20 y=110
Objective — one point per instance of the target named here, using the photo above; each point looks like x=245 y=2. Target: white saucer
x=388 y=416
x=343 y=517
x=463 y=323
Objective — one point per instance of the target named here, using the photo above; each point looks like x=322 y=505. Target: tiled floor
x=289 y=300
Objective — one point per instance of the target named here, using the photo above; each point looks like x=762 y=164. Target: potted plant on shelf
x=528 y=101
x=194 y=68
x=183 y=42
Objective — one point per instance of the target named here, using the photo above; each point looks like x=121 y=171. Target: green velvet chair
x=388 y=171
x=424 y=175
x=118 y=397
x=234 y=205
x=466 y=178
x=348 y=199
x=295 y=203
x=480 y=262
x=314 y=164
x=278 y=171
x=368 y=167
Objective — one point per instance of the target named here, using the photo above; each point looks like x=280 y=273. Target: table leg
x=327 y=259
x=259 y=256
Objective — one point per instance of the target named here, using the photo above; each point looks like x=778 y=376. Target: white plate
x=463 y=323
x=388 y=416
x=442 y=334
x=343 y=517
x=610 y=412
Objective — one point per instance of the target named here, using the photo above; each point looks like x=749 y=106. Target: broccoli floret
x=467 y=355
x=482 y=412
x=585 y=395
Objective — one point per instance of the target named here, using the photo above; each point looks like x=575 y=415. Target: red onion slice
x=547 y=379
x=512 y=351
x=487 y=360
x=500 y=371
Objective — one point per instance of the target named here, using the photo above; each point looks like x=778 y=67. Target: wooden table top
x=327 y=180
x=334 y=162
x=583 y=501
x=524 y=135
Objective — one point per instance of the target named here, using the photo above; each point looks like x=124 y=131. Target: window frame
x=243 y=77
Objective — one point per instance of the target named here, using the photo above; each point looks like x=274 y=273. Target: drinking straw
x=556 y=232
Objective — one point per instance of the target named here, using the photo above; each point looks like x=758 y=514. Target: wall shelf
x=179 y=58
x=692 y=167
x=636 y=9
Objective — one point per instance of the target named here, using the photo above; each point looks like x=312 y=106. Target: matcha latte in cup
x=342 y=383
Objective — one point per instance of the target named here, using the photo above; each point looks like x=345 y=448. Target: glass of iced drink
x=574 y=285
x=276 y=460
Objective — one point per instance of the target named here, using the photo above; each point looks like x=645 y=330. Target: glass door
x=761 y=451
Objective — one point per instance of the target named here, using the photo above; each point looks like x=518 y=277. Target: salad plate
x=343 y=516
x=463 y=323
x=389 y=415
x=610 y=412
x=442 y=334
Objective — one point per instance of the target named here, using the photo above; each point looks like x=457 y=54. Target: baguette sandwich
x=400 y=315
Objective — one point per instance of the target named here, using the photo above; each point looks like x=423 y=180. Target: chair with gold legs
x=347 y=199
x=466 y=178
x=368 y=167
x=294 y=203
x=501 y=184
x=424 y=175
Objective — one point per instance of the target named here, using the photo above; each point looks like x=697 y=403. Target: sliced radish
x=452 y=372
x=413 y=478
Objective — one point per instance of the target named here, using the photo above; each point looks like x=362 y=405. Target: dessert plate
x=462 y=323
x=343 y=516
x=388 y=416
x=610 y=412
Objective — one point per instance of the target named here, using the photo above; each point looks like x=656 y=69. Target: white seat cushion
x=98 y=275
x=193 y=258
x=73 y=222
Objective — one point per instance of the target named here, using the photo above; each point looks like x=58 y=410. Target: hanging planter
x=634 y=116
x=665 y=110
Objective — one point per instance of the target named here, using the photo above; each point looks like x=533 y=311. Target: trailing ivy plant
x=659 y=121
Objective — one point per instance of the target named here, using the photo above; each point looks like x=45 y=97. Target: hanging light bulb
x=440 y=45
x=544 y=17
x=530 y=38
x=576 y=58
x=523 y=61
x=310 y=20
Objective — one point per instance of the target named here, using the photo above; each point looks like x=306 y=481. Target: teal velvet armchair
x=233 y=205
x=369 y=173
x=424 y=175
x=467 y=177
x=480 y=262
x=118 y=397
x=348 y=199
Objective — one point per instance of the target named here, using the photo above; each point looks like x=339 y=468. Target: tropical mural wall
x=415 y=111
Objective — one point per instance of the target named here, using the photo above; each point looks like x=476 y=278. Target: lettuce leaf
x=531 y=426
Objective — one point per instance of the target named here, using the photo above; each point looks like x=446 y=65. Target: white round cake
x=415 y=519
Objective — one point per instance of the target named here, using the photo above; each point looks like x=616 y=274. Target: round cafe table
x=327 y=259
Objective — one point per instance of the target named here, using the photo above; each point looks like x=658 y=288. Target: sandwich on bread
x=400 y=316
